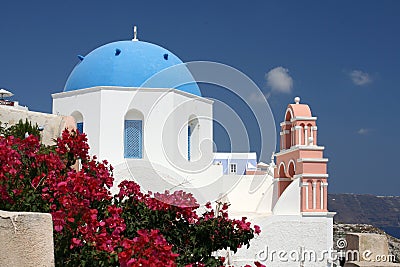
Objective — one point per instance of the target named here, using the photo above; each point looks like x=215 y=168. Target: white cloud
x=279 y=80
x=364 y=131
x=256 y=98
x=360 y=78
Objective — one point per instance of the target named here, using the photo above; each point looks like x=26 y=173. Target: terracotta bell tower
x=301 y=158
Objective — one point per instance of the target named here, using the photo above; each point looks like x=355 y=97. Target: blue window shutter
x=79 y=127
x=133 y=142
x=189 y=135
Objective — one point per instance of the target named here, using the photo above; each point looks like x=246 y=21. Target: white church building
x=162 y=137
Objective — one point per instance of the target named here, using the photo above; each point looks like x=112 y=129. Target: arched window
x=288 y=115
x=189 y=141
x=291 y=169
x=302 y=135
x=311 y=194
x=310 y=134
x=193 y=138
x=289 y=135
x=282 y=171
x=79 y=120
x=320 y=195
x=133 y=134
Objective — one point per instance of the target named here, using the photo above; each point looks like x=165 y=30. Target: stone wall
x=372 y=250
x=340 y=231
x=26 y=239
x=53 y=125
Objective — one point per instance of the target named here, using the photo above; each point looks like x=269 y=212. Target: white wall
x=166 y=115
x=282 y=224
x=291 y=195
x=85 y=102
x=291 y=234
x=252 y=193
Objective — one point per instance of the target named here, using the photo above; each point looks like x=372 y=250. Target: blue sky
x=343 y=58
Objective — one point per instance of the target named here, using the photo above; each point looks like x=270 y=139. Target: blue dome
x=131 y=64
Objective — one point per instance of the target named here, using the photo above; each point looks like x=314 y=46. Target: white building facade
x=162 y=137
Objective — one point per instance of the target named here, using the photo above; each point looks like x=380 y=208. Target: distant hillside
x=382 y=212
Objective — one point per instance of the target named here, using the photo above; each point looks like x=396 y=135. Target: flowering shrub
x=19 y=129
x=94 y=228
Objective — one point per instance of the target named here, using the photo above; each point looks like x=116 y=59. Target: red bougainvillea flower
x=86 y=215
